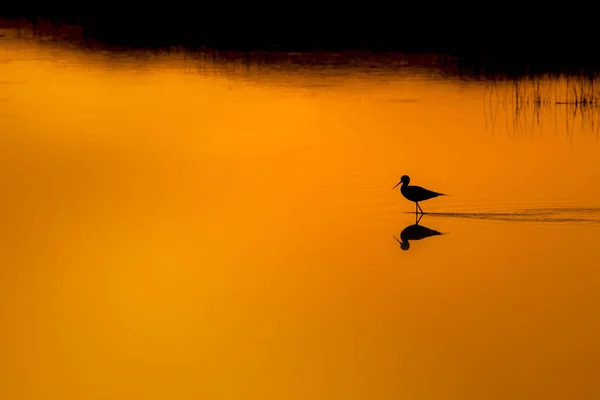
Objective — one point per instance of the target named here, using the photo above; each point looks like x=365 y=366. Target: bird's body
x=417 y=232
x=415 y=193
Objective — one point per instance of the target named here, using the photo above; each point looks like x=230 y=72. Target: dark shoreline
x=492 y=50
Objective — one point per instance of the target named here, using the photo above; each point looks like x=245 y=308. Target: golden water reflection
x=177 y=233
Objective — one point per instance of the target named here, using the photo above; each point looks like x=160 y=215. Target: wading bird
x=415 y=193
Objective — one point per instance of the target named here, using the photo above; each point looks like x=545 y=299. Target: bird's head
x=404 y=245
x=404 y=179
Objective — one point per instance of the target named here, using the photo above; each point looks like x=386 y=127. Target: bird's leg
x=416 y=208
x=420 y=208
x=419 y=220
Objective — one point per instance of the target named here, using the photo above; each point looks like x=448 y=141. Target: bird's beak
x=396 y=185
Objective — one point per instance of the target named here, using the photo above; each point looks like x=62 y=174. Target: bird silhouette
x=415 y=232
x=415 y=193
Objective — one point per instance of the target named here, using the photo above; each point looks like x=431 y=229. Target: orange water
x=178 y=227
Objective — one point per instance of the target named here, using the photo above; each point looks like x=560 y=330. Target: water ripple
x=563 y=214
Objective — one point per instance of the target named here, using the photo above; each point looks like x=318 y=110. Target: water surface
x=181 y=226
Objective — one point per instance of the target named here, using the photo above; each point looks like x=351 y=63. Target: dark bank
x=492 y=41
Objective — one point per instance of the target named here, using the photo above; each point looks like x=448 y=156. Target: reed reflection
x=532 y=105
x=415 y=232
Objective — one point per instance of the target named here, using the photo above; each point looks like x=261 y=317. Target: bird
x=415 y=193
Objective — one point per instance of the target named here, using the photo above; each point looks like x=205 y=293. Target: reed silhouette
x=532 y=104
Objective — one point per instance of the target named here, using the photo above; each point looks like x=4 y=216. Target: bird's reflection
x=415 y=232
